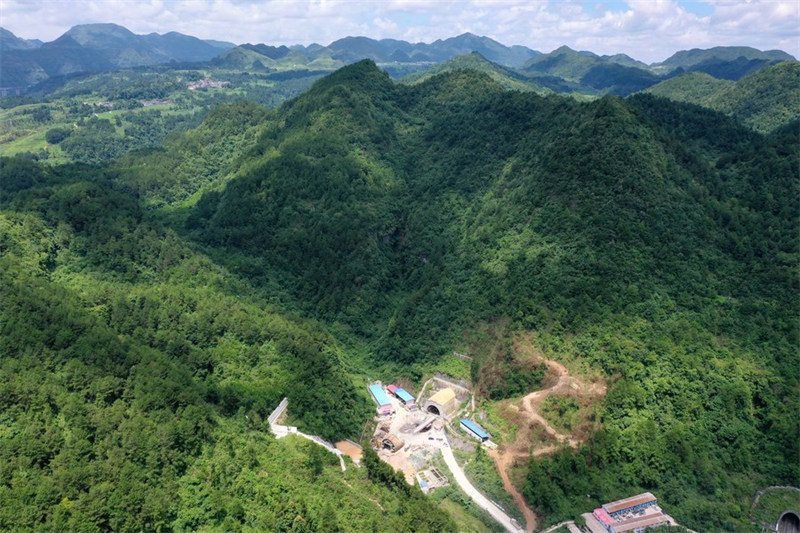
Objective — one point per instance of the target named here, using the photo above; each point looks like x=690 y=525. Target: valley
x=596 y=256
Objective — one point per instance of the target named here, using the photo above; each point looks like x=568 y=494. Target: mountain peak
x=100 y=35
x=99 y=27
x=563 y=49
x=364 y=73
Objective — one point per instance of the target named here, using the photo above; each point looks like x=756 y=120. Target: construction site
x=408 y=436
x=416 y=435
x=412 y=434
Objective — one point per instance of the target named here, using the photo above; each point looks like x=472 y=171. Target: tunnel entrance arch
x=432 y=409
x=789 y=522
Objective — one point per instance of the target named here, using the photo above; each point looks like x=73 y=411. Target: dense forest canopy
x=177 y=294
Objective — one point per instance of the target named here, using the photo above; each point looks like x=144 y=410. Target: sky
x=648 y=30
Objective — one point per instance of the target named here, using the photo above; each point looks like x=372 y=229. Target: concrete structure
x=789 y=522
x=281 y=431
x=380 y=397
x=474 y=430
x=425 y=424
x=278 y=411
x=443 y=403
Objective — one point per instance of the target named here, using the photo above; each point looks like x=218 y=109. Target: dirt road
x=507 y=454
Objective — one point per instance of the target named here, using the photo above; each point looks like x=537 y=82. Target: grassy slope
x=692 y=87
x=765 y=100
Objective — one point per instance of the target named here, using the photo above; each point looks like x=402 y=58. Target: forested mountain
x=766 y=100
x=648 y=238
x=100 y=47
x=352 y=49
x=692 y=87
x=624 y=60
x=9 y=41
x=137 y=375
x=622 y=75
x=606 y=75
x=725 y=62
x=508 y=78
x=156 y=307
x=261 y=57
x=387 y=52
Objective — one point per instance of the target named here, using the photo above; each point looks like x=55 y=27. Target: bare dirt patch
x=350 y=449
x=536 y=436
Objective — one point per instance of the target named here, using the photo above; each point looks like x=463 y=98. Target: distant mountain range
x=104 y=47
x=96 y=47
x=507 y=77
x=384 y=52
x=9 y=41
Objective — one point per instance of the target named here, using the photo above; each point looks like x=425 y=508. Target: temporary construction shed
x=380 y=397
x=474 y=430
x=404 y=396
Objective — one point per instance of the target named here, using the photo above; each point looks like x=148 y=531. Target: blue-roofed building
x=380 y=397
x=474 y=430
x=404 y=396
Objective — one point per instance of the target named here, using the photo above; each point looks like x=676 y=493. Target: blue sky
x=649 y=30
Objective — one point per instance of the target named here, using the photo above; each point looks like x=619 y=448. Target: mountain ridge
x=161 y=304
x=765 y=100
x=107 y=46
x=100 y=47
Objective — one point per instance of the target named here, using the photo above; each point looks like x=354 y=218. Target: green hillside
x=692 y=87
x=696 y=56
x=137 y=376
x=618 y=74
x=410 y=214
x=249 y=58
x=765 y=100
x=365 y=228
x=506 y=77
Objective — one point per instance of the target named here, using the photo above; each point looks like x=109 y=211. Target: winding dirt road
x=505 y=456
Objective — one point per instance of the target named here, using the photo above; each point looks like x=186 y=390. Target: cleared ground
x=533 y=426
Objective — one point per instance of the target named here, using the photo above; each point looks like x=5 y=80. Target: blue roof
x=379 y=395
x=403 y=395
x=474 y=428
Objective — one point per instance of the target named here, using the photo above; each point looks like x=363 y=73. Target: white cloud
x=649 y=30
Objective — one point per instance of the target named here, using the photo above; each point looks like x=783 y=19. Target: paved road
x=498 y=514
